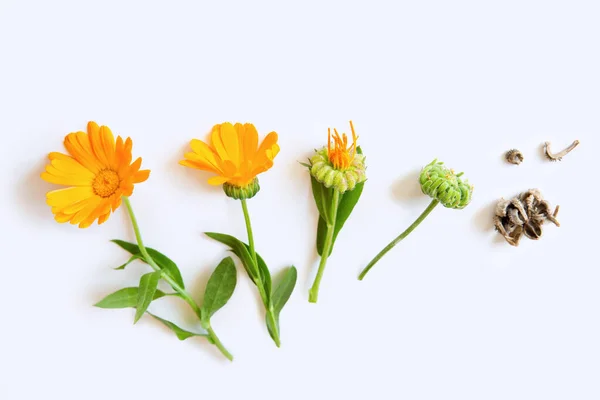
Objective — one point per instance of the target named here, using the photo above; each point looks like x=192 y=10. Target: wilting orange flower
x=340 y=155
x=99 y=172
x=233 y=154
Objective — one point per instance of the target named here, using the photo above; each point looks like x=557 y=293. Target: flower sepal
x=242 y=192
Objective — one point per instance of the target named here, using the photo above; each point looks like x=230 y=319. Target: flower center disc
x=106 y=183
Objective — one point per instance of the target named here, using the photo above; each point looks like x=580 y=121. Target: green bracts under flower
x=242 y=193
x=445 y=187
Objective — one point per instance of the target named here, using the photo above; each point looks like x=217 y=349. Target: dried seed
x=514 y=156
x=558 y=156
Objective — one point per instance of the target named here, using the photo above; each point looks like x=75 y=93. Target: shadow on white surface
x=483 y=219
x=31 y=192
x=407 y=188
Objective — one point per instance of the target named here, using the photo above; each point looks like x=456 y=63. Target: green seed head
x=445 y=186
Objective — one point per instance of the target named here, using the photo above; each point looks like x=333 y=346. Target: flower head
x=339 y=165
x=233 y=155
x=99 y=172
x=444 y=185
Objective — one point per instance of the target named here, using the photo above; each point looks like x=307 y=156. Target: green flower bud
x=342 y=179
x=445 y=186
x=242 y=192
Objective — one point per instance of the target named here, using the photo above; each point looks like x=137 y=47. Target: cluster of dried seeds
x=523 y=215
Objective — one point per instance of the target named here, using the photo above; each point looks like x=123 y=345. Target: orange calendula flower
x=233 y=155
x=99 y=172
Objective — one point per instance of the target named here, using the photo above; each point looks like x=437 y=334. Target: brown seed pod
x=523 y=215
x=514 y=156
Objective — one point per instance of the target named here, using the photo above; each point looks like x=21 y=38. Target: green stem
x=394 y=242
x=313 y=293
x=181 y=291
x=218 y=343
x=261 y=289
x=249 y=230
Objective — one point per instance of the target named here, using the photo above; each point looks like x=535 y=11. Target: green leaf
x=148 y=284
x=240 y=249
x=284 y=289
x=347 y=202
x=280 y=296
x=131 y=259
x=182 y=334
x=124 y=298
x=164 y=262
x=322 y=197
x=219 y=288
x=265 y=275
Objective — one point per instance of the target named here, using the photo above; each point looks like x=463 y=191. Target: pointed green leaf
x=347 y=202
x=131 y=259
x=322 y=197
x=124 y=298
x=284 y=289
x=148 y=285
x=164 y=262
x=182 y=334
x=240 y=249
x=282 y=293
x=265 y=275
x=219 y=288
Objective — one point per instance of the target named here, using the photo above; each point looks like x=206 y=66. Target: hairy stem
x=217 y=342
x=266 y=298
x=399 y=238
x=181 y=291
x=313 y=293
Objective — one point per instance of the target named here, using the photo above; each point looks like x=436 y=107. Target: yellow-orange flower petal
x=99 y=172
x=233 y=154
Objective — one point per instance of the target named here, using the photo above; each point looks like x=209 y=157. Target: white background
x=452 y=313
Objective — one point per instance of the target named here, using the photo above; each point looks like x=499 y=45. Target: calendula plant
x=236 y=159
x=100 y=176
x=443 y=186
x=337 y=173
